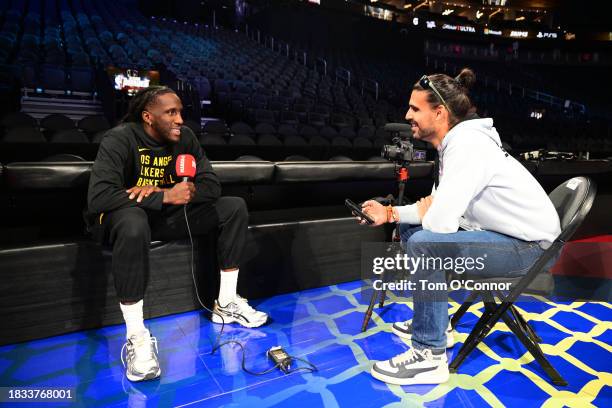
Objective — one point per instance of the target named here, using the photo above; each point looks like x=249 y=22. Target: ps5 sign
x=542 y=34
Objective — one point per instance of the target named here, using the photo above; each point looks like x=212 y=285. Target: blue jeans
x=506 y=257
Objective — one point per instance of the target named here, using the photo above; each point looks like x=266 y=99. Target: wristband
x=390 y=217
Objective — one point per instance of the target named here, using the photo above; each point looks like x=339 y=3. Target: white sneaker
x=404 y=330
x=141 y=360
x=413 y=367
x=240 y=312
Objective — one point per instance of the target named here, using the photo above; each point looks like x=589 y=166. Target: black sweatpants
x=131 y=230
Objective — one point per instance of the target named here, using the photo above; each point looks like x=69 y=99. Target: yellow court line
x=582 y=398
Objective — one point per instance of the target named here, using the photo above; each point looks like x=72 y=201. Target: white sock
x=227 y=291
x=134 y=321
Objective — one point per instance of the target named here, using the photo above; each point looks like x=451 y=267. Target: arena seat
x=296 y=158
x=57 y=121
x=69 y=136
x=265 y=128
x=212 y=140
x=241 y=140
x=294 y=140
x=319 y=141
x=215 y=128
x=195 y=127
x=93 y=124
x=24 y=135
x=249 y=158
x=17 y=119
x=362 y=142
x=268 y=140
x=308 y=132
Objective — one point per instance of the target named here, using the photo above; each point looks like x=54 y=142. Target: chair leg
x=489 y=301
x=478 y=333
x=524 y=325
x=463 y=308
x=521 y=320
x=535 y=350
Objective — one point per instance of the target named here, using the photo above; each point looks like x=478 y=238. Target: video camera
x=401 y=150
x=543 y=154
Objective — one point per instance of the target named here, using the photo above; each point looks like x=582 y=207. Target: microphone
x=185 y=166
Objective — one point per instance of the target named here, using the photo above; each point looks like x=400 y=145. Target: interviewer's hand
x=376 y=211
x=142 y=192
x=181 y=193
x=423 y=205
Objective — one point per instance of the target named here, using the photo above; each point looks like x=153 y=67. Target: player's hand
x=142 y=192
x=376 y=211
x=423 y=205
x=181 y=193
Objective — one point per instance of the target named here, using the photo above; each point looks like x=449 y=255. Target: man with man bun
x=482 y=196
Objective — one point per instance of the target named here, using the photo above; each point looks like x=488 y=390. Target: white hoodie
x=483 y=188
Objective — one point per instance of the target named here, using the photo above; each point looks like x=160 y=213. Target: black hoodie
x=128 y=157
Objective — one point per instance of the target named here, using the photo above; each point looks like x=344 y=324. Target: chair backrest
x=57 y=121
x=573 y=200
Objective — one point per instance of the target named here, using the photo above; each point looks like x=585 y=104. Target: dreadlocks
x=142 y=100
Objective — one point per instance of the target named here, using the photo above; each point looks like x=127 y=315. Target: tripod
x=402 y=178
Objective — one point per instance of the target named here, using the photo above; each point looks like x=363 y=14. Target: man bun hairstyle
x=466 y=79
x=143 y=99
x=454 y=91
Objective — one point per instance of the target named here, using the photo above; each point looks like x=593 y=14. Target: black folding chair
x=572 y=200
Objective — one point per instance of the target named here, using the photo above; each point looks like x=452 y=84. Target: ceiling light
x=421 y=5
x=494 y=13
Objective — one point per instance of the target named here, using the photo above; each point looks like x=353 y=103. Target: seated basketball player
x=135 y=197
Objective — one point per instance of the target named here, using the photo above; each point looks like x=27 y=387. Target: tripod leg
x=368 y=314
x=383 y=294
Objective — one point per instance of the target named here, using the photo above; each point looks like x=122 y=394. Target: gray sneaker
x=140 y=359
x=413 y=367
x=404 y=330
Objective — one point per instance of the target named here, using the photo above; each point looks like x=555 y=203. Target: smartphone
x=357 y=211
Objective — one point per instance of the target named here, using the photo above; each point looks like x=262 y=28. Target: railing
x=321 y=62
x=500 y=85
x=369 y=85
x=343 y=75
